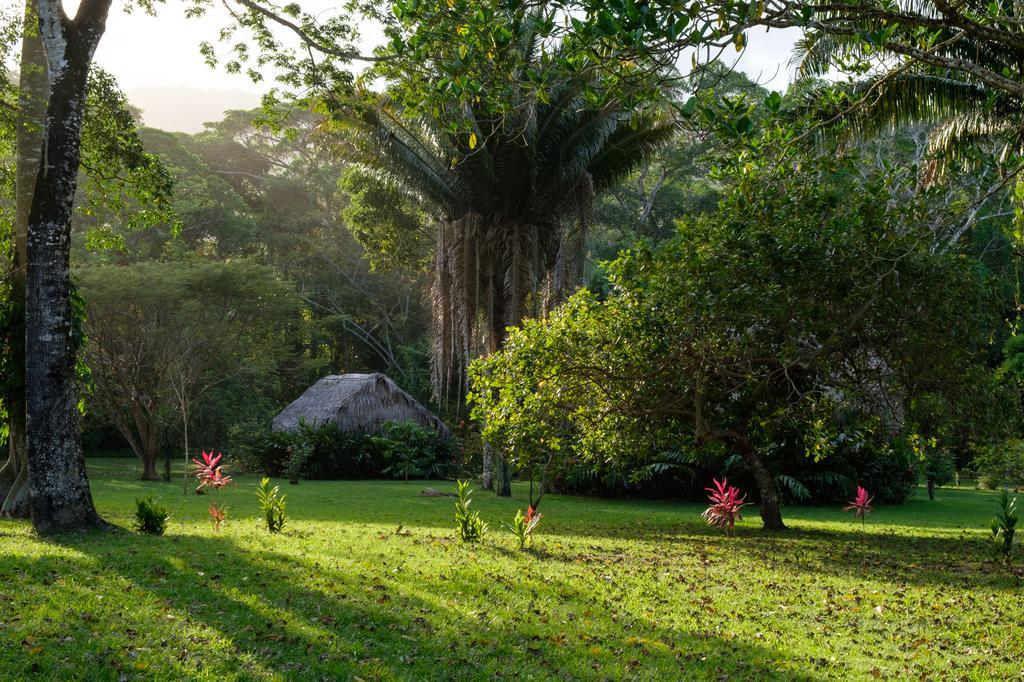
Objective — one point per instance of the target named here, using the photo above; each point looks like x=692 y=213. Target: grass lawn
x=367 y=582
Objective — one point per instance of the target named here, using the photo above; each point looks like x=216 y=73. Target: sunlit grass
x=615 y=589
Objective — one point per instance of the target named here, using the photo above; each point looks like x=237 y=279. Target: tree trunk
x=143 y=442
x=31 y=118
x=771 y=514
x=931 y=489
x=184 y=423
x=488 y=468
x=503 y=484
x=59 y=488
x=149 y=469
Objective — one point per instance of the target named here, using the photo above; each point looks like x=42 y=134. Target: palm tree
x=963 y=108
x=512 y=201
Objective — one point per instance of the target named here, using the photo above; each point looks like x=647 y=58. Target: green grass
x=613 y=590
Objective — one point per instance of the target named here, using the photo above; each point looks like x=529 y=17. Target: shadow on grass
x=122 y=605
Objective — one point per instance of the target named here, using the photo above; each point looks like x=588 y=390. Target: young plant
x=468 y=524
x=1004 y=526
x=272 y=504
x=860 y=506
x=150 y=517
x=726 y=505
x=218 y=514
x=210 y=472
x=522 y=526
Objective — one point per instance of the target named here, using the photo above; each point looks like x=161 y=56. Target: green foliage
x=469 y=527
x=299 y=453
x=808 y=283
x=936 y=464
x=150 y=516
x=272 y=504
x=1002 y=465
x=1004 y=527
x=125 y=188
x=413 y=451
x=171 y=331
x=385 y=221
x=398 y=450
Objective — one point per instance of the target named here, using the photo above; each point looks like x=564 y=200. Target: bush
x=412 y=451
x=1001 y=466
x=399 y=450
x=150 y=517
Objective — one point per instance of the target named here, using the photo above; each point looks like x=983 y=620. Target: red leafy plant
x=522 y=526
x=860 y=505
x=218 y=513
x=210 y=472
x=726 y=503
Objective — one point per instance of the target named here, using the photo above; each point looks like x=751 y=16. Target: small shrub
x=523 y=525
x=210 y=472
x=150 y=517
x=726 y=505
x=272 y=504
x=1002 y=465
x=218 y=514
x=860 y=505
x=1004 y=526
x=468 y=524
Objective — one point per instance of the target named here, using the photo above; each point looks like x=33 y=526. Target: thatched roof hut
x=356 y=402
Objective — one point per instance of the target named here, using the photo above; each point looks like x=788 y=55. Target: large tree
x=163 y=335
x=808 y=294
x=513 y=202
x=32 y=96
x=58 y=485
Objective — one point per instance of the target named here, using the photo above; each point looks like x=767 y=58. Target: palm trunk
x=32 y=95
x=59 y=488
x=771 y=514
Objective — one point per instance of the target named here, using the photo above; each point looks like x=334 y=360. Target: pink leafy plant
x=860 y=505
x=726 y=505
x=210 y=472
x=218 y=513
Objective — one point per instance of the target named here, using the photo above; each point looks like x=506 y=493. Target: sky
x=157 y=62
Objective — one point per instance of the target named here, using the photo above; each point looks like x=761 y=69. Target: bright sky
x=157 y=62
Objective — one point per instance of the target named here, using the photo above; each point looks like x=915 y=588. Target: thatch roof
x=355 y=402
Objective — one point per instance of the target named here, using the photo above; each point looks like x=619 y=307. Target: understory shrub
x=150 y=516
x=398 y=450
x=1002 y=465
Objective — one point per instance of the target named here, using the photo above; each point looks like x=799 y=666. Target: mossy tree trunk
x=59 y=488
x=31 y=118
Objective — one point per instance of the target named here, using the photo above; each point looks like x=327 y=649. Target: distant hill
x=184 y=108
